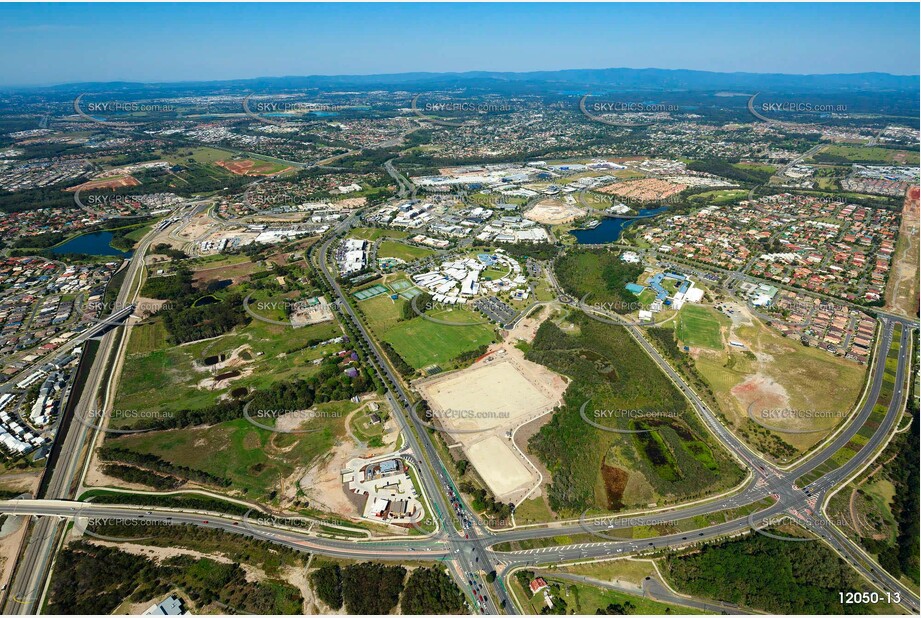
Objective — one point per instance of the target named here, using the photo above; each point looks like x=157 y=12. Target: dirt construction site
x=479 y=407
x=115 y=182
x=248 y=167
x=553 y=212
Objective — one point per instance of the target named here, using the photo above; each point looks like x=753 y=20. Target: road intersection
x=470 y=549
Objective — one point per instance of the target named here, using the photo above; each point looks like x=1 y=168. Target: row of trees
x=485 y=502
x=372 y=588
x=131 y=474
x=110 y=452
x=90 y=579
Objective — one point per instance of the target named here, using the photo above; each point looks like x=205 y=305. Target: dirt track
x=902 y=292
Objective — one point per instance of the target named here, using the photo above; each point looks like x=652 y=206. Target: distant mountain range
x=595 y=80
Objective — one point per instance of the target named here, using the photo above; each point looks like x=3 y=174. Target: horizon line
x=437 y=73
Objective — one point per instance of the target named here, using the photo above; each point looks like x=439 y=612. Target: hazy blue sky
x=46 y=44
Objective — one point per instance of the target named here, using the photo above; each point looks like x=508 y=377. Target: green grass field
x=493 y=273
x=625 y=570
x=255 y=460
x=583 y=599
x=139 y=233
x=215 y=260
x=401 y=251
x=422 y=342
x=147 y=337
x=199 y=155
x=869 y=154
x=373 y=233
x=827 y=183
x=757 y=167
x=157 y=376
x=700 y=327
x=381 y=312
x=720 y=196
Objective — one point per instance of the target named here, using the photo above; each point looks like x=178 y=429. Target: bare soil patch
x=248 y=167
x=116 y=182
x=554 y=212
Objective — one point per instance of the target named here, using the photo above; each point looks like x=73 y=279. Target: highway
x=32 y=566
x=405 y=187
x=470 y=554
x=111 y=320
x=469 y=550
x=295 y=538
x=791 y=498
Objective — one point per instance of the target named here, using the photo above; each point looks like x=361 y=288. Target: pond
x=96 y=243
x=610 y=229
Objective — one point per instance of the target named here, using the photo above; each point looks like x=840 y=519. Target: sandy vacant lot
x=196 y=228
x=248 y=167
x=902 y=293
x=496 y=391
x=116 y=182
x=495 y=395
x=552 y=212
x=504 y=472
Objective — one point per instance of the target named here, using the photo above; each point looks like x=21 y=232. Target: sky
x=46 y=44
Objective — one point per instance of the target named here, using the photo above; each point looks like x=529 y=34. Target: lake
x=610 y=229
x=96 y=243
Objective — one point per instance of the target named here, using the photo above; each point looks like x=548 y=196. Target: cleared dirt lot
x=488 y=399
x=500 y=467
x=248 y=167
x=902 y=293
x=498 y=390
x=553 y=212
x=115 y=182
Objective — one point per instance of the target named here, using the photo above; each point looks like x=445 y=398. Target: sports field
x=700 y=327
x=422 y=342
x=370 y=292
x=401 y=251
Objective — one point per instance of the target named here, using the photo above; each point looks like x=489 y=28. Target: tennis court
x=371 y=292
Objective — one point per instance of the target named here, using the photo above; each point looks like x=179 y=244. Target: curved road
x=472 y=554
